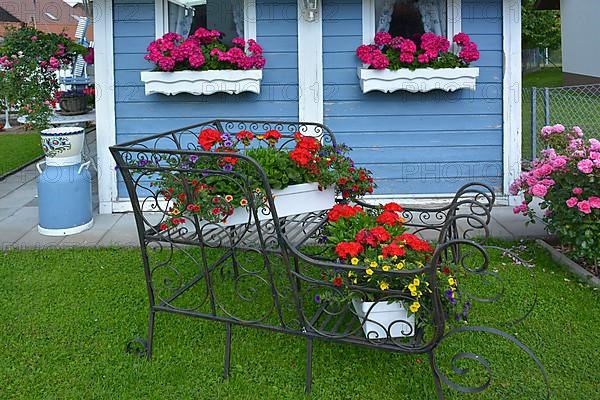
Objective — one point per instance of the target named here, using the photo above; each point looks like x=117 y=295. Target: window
x=411 y=18
x=232 y=17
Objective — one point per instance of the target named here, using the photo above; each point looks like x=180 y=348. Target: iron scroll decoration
x=262 y=275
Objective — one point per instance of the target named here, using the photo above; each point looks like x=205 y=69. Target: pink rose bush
x=202 y=51
x=566 y=180
x=421 y=51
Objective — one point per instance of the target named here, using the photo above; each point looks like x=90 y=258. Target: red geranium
x=388 y=218
x=337 y=281
x=301 y=156
x=272 y=136
x=366 y=237
x=392 y=250
x=414 y=242
x=208 y=138
x=393 y=207
x=343 y=211
x=345 y=249
x=380 y=234
x=245 y=137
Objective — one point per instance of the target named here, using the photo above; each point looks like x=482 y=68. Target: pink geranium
x=382 y=38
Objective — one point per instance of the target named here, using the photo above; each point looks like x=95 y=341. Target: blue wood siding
x=138 y=114
x=417 y=143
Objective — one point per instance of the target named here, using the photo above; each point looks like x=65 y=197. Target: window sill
x=419 y=80
x=202 y=82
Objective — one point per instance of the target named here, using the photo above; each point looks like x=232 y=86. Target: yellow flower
x=369 y=271
x=380 y=257
x=419 y=264
x=373 y=264
x=412 y=288
x=260 y=137
x=413 y=294
x=383 y=285
x=175 y=211
x=451 y=281
x=386 y=268
x=394 y=258
x=400 y=265
x=354 y=261
x=228 y=198
x=350 y=274
x=414 y=307
x=416 y=282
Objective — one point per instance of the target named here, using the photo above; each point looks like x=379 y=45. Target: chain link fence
x=567 y=105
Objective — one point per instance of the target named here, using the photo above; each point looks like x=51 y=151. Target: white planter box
x=295 y=199
x=202 y=82
x=419 y=80
x=384 y=320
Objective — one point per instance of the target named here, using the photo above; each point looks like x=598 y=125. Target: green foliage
x=444 y=60
x=541 y=28
x=279 y=167
x=29 y=59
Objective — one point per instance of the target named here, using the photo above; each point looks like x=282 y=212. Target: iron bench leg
x=227 y=362
x=309 y=348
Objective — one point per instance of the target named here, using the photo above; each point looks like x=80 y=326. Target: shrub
x=566 y=180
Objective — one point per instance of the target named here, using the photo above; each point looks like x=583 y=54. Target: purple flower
x=227 y=167
x=450 y=295
x=193 y=159
x=227 y=143
x=142 y=163
x=184 y=165
x=317 y=299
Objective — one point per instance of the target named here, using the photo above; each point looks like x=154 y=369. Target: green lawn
x=546 y=77
x=67 y=315
x=18 y=149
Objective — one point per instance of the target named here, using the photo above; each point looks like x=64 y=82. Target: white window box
x=419 y=80
x=202 y=82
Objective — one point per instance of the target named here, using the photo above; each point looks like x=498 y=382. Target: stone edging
x=571 y=265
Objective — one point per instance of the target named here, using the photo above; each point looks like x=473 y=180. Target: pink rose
x=34 y=38
x=578 y=132
x=594 y=201
x=594 y=144
x=539 y=190
x=558 y=128
x=584 y=207
x=572 y=202
x=585 y=166
x=577 y=191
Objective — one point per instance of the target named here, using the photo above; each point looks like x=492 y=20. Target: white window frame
x=453 y=14
x=161 y=21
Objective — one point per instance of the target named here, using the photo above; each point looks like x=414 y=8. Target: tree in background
x=541 y=28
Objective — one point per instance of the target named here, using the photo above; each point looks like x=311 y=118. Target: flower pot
x=419 y=80
x=381 y=320
x=62 y=146
x=202 y=82
x=293 y=200
x=73 y=104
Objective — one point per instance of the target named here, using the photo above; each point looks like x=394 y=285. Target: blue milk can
x=65 y=199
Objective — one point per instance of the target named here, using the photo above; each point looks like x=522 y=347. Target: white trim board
x=105 y=105
x=511 y=87
x=310 y=67
x=453 y=15
x=161 y=25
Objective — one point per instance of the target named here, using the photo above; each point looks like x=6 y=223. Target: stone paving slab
x=17 y=225
x=103 y=224
x=123 y=233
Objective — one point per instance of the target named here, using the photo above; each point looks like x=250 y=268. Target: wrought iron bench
x=266 y=270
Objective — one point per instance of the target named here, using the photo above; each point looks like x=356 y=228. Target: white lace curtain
x=433 y=13
x=181 y=15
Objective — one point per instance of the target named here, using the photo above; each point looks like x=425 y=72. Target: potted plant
x=201 y=64
x=306 y=176
x=73 y=102
x=419 y=64
x=29 y=60
x=376 y=245
x=565 y=179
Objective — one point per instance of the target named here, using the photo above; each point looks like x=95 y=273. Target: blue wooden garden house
x=418 y=144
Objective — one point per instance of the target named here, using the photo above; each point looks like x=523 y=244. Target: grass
x=546 y=77
x=18 y=149
x=67 y=315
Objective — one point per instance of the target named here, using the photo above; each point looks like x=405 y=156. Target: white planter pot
x=202 y=82
x=294 y=199
x=62 y=146
x=381 y=320
x=419 y=80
